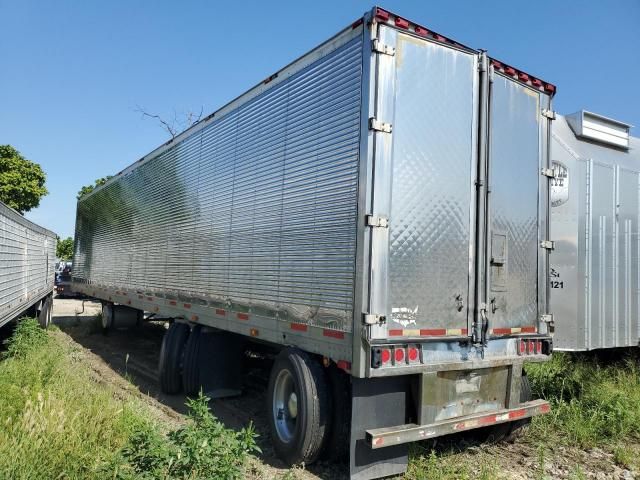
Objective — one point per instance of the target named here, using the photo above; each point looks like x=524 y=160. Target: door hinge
x=548 y=172
x=550 y=114
x=376 y=221
x=379 y=126
x=379 y=47
x=548 y=244
x=373 y=319
x=546 y=318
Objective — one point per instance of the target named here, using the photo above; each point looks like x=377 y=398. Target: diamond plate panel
x=514 y=175
x=433 y=158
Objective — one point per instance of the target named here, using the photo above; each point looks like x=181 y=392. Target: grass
x=595 y=402
x=58 y=421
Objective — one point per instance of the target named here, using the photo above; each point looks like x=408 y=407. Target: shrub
x=203 y=448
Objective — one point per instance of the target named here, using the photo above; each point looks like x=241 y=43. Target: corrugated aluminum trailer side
x=377 y=211
x=595 y=275
x=27 y=259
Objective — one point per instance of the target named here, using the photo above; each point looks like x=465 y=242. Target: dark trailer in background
x=27 y=259
x=377 y=212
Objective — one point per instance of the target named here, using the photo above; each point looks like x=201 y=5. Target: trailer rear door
x=515 y=230
x=432 y=183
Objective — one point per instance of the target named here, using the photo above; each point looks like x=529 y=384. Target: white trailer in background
x=595 y=218
x=377 y=214
x=27 y=262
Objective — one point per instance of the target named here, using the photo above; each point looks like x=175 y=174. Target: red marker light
x=399 y=355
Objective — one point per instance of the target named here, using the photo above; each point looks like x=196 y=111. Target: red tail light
x=399 y=355
x=413 y=354
x=386 y=356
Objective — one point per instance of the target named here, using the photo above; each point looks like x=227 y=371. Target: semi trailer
x=376 y=213
x=27 y=261
x=595 y=214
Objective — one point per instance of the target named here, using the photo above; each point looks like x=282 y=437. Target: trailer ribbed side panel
x=27 y=258
x=255 y=210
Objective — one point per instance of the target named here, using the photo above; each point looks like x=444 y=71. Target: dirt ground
x=129 y=359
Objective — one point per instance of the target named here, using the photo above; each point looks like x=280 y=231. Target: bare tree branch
x=176 y=125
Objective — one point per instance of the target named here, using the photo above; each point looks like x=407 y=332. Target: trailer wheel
x=298 y=407
x=107 y=317
x=44 y=315
x=171 y=357
x=190 y=371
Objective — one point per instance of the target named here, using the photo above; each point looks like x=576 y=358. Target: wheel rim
x=285 y=406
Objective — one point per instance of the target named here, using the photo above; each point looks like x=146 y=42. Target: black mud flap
x=220 y=358
x=377 y=403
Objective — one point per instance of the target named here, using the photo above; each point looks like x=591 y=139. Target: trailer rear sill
x=386 y=437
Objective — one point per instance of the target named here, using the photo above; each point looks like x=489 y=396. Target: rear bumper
x=386 y=437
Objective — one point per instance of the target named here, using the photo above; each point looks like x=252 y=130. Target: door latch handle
x=459 y=302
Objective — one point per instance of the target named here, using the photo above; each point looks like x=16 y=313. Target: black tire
x=44 y=315
x=107 y=318
x=310 y=425
x=171 y=357
x=337 y=448
x=190 y=370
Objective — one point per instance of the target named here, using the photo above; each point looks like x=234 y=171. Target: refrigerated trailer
x=27 y=259
x=377 y=213
x=595 y=213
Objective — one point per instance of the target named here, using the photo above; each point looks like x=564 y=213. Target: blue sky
x=73 y=73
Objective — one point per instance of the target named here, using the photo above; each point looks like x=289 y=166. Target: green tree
x=89 y=188
x=21 y=180
x=64 y=248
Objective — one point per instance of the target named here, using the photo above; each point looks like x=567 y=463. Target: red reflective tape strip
x=501 y=331
x=220 y=311
x=242 y=316
x=172 y=302
x=187 y=305
x=517 y=413
x=487 y=420
x=357 y=23
x=395 y=333
x=382 y=14
x=402 y=23
x=529 y=329
x=344 y=365
x=437 y=332
x=333 y=334
x=546 y=408
x=299 y=327
x=378 y=441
